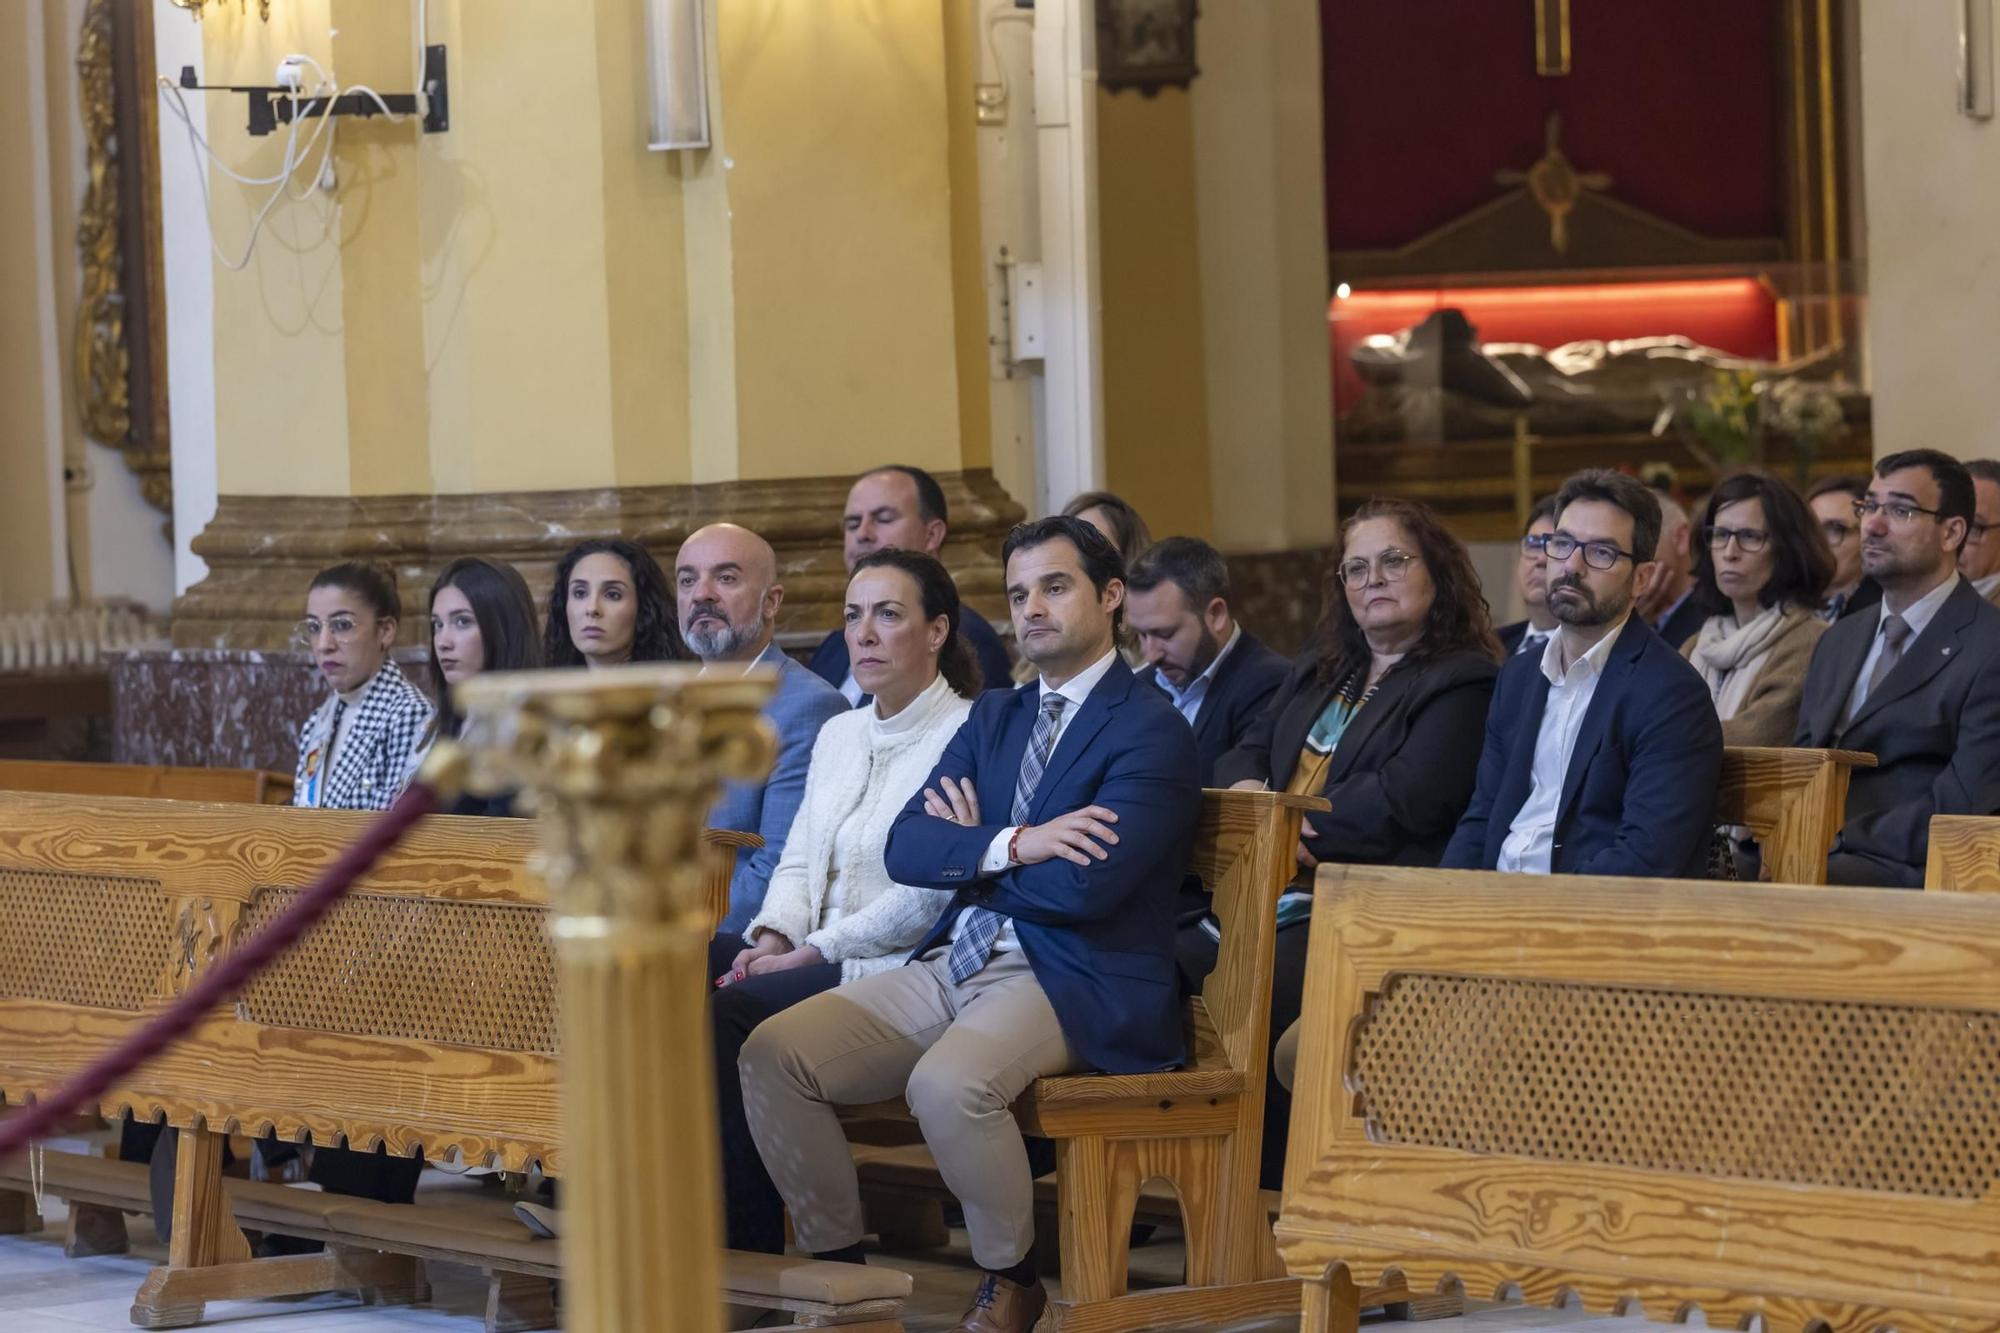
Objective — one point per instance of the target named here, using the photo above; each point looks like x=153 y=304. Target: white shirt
x=1189 y=700
x=1530 y=845
x=1919 y=614
x=1984 y=587
x=1076 y=689
x=850 y=690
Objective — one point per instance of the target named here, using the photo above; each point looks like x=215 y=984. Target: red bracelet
x=1013 y=846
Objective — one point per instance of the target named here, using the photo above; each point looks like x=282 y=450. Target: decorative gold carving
x=103 y=353
x=622 y=766
x=1551 y=38
x=1555 y=184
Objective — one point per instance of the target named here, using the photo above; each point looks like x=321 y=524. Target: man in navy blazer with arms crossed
x=1603 y=750
x=1062 y=816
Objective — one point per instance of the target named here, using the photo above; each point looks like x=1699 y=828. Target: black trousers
x=753 y=1213
x=1195 y=952
x=365 y=1175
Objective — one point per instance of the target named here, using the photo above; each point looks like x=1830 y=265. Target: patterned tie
x=979 y=928
x=1895 y=630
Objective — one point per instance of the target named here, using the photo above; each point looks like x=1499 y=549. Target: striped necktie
x=979 y=928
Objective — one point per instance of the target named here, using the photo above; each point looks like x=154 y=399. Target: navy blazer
x=1638 y=796
x=1242 y=684
x=829 y=660
x=1099 y=938
x=1933 y=725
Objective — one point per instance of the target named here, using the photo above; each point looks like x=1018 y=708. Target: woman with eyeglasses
x=1383 y=717
x=1761 y=567
x=362 y=745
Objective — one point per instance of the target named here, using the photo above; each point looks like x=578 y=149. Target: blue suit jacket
x=800 y=707
x=1638 y=797
x=829 y=660
x=1099 y=938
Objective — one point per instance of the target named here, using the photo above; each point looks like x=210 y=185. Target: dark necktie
x=1895 y=632
x=1534 y=641
x=979 y=928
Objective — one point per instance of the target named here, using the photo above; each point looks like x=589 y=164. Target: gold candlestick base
x=622 y=766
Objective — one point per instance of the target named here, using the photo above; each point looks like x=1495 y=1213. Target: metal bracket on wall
x=272 y=106
x=1016 y=335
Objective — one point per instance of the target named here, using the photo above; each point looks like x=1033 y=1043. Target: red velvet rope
x=222 y=981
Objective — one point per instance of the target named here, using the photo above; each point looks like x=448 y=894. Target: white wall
x=1933 y=196
x=190 y=301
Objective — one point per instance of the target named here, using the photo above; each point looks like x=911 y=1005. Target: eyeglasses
x=1598 y=555
x=1393 y=564
x=1898 y=511
x=1748 y=540
x=1975 y=531
x=1836 y=531
x=1535 y=544
x=306 y=633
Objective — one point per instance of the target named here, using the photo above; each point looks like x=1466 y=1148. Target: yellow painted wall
x=839 y=193
x=27 y=573
x=535 y=301
x=1155 y=387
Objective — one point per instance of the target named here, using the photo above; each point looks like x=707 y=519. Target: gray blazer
x=1933 y=726
x=800 y=707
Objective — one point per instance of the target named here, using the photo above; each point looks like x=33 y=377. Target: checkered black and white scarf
x=393 y=726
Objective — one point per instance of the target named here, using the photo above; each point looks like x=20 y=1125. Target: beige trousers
x=958 y=1054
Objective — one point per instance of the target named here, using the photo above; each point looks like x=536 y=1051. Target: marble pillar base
x=262 y=551
x=219 y=708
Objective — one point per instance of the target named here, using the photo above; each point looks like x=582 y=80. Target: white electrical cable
x=993 y=22
x=328 y=88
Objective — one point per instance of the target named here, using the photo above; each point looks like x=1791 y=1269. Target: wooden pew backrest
x=1793 y=801
x=251 y=785
x=420 y=1012
x=1964 y=854
x=1752 y=1099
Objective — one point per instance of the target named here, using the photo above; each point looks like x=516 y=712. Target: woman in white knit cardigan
x=832 y=913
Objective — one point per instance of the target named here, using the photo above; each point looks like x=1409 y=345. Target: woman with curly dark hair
x=1383 y=717
x=609 y=604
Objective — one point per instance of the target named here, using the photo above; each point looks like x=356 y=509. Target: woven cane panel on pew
x=1862 y=1096
x=405 y=967
x=95 y=940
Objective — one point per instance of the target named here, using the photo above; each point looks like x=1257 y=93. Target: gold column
x=622 y=767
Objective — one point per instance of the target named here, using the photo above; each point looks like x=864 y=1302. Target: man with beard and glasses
x=727 y=592
x=1216 y=673
x=1914 y=682
x=1603 y=752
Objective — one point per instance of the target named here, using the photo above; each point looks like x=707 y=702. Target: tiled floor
x=42 y=1292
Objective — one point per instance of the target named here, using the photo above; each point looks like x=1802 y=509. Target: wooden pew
x=1794 y=801
x=421 y=1014
x=251 y=785
x=1198 y=1129
x=1649 y=1097
x=1964 y=854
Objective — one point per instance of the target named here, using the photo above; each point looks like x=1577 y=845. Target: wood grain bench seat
x=476 y=1230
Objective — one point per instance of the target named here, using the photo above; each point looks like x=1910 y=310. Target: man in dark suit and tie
x=1060 y=820
x=1532 y=575
x=903 y=507
x=1602 y=754
x=1218 y=674
x=1916 y=683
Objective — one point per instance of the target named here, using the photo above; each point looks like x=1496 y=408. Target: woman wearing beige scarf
x=1761 y=566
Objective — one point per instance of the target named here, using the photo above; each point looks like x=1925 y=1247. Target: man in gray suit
x=1916 y=683
x=726 y=588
